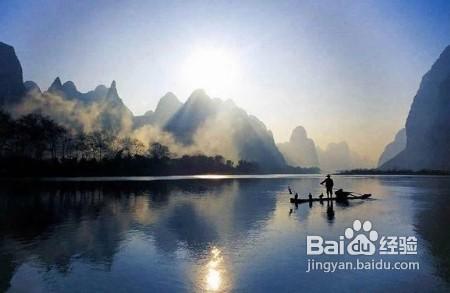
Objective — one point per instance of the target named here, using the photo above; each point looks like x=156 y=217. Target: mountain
x=339 y=156
x=428 y=123
x=336 y=156
x=199 y=126
x=69 y=91
x=254 y=142
x=195 y=111
x=167 y=106
x=393 y=148
x=99 y=109
x=31 y=87
x=142 y=120
x=221 y=127
x=11 y=79
x=300 y=151
x=114 y=115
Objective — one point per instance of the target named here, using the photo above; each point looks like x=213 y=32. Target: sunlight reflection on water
x=213 y=277
x=209 y=235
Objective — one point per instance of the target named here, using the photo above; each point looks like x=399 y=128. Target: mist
x=87 y=117
x=74 y=114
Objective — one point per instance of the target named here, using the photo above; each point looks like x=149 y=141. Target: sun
x=213 y=69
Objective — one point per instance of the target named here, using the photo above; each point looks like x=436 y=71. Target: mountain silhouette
x=394 y=148
x=227 y=127
x=167 y=106
x=31 y=87
x=69 y=91
x=98 y=109
x=11 y=78
x=339 y=156
x=428 y=123
x=336 y=156
x=300 y=150
x=191 y=115
x=203 y=125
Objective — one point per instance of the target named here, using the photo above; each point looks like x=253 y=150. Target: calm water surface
x=211 y=234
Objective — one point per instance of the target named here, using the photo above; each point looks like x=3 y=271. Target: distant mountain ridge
x=208 y=120
x=300 y=150
x=102 y=105
x=212 y=125
x=194 y=112
x=69 y=91
x=201 y=124
x=339 y=156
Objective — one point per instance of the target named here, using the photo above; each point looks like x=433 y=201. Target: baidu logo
x=361 y=239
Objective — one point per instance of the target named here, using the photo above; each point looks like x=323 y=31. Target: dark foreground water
x=219 y=235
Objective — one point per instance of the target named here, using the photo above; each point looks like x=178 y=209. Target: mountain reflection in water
x=207 y=234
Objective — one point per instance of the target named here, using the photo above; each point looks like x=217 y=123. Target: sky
x=345 y=70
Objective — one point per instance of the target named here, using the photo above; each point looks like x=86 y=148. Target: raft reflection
x=207 y=235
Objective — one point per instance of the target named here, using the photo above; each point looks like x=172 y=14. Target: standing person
x=329 y=185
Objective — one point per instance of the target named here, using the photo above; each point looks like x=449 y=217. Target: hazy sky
x=345 y=70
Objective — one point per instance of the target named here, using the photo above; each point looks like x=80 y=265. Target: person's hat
x=328 y=176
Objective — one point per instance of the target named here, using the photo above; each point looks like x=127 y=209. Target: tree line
x=38 y=137
x=35 y=143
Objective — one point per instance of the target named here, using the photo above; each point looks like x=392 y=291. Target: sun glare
x=213 y=277
x=212 y=69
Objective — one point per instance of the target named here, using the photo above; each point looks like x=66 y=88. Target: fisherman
x=329 y=185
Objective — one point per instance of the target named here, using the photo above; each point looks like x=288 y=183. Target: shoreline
x=195 y=177
x=393 y=172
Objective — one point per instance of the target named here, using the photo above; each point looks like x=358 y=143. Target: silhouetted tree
x=36 y=134
x=52 y=134
x=131 y=147
x=82 y=145
x=102 y=143
x=7 y=126
x=158 y=151
x=35 y=145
